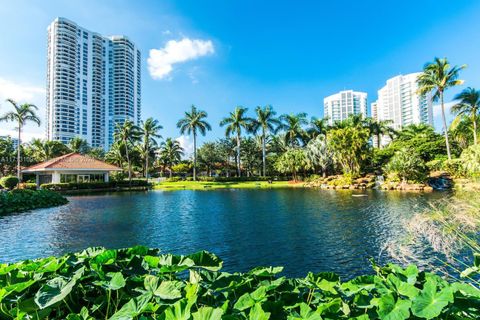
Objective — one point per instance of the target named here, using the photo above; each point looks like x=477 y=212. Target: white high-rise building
x=339 y=106
x=399 y=102
x=93 y=82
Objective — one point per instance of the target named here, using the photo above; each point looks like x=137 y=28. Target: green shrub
x=453 y=167
x=9 y=182
x=407 y=165
x=470 y=160
x=20 y=200
x=174 y=179
x=141 y=283
x=94 y=185
x=117 y=176
x=28 y=185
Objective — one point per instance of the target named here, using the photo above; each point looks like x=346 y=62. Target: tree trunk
x=378 y=141
x=194 y=155
x=128 y=163
x=18 y=150
x=475 y=127
x=239 y=173
x=445 y=127
x=146 y=163
x=264 y=154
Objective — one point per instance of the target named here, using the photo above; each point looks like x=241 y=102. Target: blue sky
x=219 y=54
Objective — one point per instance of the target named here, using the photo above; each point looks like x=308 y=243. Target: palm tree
x=318 y=127
x=235 y=122
x=22 y=114
x=438 y=76
x=127 y=133
x=379 y=128
x=293 y=124
x=78 y=145
x=469 y=105
x=264 y=122
x=193 y=122
x=45 y=150
x=149 y=130
x=170 y=153
x=115 y=154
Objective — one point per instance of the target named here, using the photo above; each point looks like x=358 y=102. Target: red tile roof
x=72 y=161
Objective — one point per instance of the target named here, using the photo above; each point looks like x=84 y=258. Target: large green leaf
x=431 y=300
x=57 y=289
x=180 y=310
x=306 y=313
x=208 y=313
x=389 y=309
x=257 y=313
x=169 y=290
x=266 y=271
x=206 y=260
x=133 y=308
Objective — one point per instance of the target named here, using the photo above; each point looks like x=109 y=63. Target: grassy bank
x=24 y=200
x=214 y=185
x=140 y=283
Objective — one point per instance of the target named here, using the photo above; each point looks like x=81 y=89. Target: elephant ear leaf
x=57 y=289
x=389 y=309
x=208 y=313
x=257 y=313
x=431 y=301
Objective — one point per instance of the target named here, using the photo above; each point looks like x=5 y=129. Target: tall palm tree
x=438 y=76
x=194 y=122
x=318 y=127
x=293 y=124
x=379 y=128
x=22 y=114
x=149 y=131
x=235 y=122
x=469 y=105
x=170 y=153
x=78 y=145
x=265 y=122
x=128 y=134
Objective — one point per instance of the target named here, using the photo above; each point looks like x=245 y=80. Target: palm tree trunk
x=378 y=141
x=194 y=155
x=474 y=127
x=18 y=150
x=238 y=155
x=264 y=154
x=128 y=163
x=445 y=127
x=146 y=162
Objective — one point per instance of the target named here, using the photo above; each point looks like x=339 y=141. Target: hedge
x=93 y=185
x=20 y=200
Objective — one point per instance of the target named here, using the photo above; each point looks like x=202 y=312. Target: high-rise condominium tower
x=339 y=106
x=399 y=102
x=93 y=82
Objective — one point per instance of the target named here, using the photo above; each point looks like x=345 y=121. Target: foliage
x=208 y=156
x=319 y=154
x=470 y=161
x=350 y=147
x=20 y=200
x=78 y=145
x=94 y=185
x=292 y=161
x=117 y=176
x=292 y=124
x=9 y=182
x=182 y=167
x=170 y=154
x=407 y=165
x=141 y=283
x=468 y=106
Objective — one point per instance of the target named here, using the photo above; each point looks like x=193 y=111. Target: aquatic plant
x=143 y=283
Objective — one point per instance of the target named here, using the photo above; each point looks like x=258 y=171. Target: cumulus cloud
x=161 y=61
x=22 y=92
x=187 y=144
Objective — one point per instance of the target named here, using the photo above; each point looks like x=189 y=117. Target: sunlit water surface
x=302 y=230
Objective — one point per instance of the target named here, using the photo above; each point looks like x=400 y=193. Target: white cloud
x=22 y=92
x=161 y=61
x=187 y=144
x=437 y=109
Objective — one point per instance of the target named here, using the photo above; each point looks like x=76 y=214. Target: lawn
x=208 y=185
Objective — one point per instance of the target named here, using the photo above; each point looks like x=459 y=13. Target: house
x=72 y=167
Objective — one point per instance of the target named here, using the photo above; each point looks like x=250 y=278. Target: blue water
x=302 y=230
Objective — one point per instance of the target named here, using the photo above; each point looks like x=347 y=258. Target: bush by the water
x=94 y=185
x=20 y=200
x=9 y=182
x=140 y=283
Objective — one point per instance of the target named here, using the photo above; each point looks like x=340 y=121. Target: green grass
x=208 y=185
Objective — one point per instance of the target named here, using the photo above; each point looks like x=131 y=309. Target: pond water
x=300 y=229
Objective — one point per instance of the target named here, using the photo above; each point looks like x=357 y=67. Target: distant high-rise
x=93 y=82
x=399 y=102
x=339 y=106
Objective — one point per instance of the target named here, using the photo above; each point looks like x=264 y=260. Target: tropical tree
x=264 y=123
x=380 y=128
x=115 y=154
x=97 y=153
x=128 y=133
x=469 y=105
x=235 y=122
x=171 y=153
x=292 y=125
x=226 y=149
x=194 y=122
x=318 y=126
x=470 y=160
x=251 y=159
x=460 y=131
x=22 y=114
x=436 y=78
x=7 y=155
x=149 y=131
x=292 y=161
x=319 y=154
x=78 y=145
x=350 y=147
x=422 y=138
x=208 y=156
x=44 y=150
x=406 y=165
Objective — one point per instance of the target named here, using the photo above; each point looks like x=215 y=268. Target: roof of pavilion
x=72 y=161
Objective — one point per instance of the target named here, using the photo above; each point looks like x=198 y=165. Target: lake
x=300 y=229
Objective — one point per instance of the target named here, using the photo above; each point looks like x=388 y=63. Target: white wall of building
x=341 y=105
